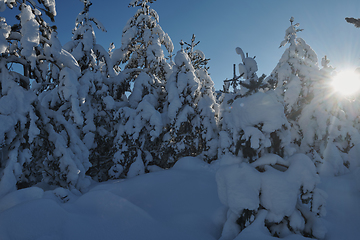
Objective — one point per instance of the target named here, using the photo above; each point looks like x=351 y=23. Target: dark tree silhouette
x=355 y=21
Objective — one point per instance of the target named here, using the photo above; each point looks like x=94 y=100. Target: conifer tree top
x=138 y=3
x=290 y=33
x=83 y=19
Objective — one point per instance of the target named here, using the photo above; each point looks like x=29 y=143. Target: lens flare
x=346 y=82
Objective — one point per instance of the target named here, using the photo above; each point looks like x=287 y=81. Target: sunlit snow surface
x=180 y=203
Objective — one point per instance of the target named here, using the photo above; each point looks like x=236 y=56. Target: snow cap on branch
x=290 y=33
x=137 y=3
x=30 y=33
x=4 y=33
x=4 y=3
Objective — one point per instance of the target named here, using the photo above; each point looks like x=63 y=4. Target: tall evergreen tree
x=207 y=110
x=65 y=158
x=206 y=107
x=140 y=126
x=260 y=164
x=141 y=42
x=140 y=123
x=36 y=147
x=294 y=75
x=237 y=139
x=98 y=93
x=18 y=46
x=183 y=88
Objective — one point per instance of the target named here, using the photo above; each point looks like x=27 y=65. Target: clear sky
x=257 y=26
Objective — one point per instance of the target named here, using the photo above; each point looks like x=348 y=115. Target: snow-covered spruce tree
x=244 y=84
x=294 y=75
x=18 y=46
x=264 y=175
x=235 y=139
x=140 y=126
x=57 y=150
x=17 y=119
x=140 y=123
x=141 y=42
x=207 y=111
x=207 y=108
x=225 y=100
x=183 y=88
x=262 y=182
x=65 y=157
x=98 y=100
x=33 y=45
x=328 y=125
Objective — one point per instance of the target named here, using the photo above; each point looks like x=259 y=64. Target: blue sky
x=257 y=26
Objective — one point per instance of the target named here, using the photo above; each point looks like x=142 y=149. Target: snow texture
x=131 y=209
x=241 y=187
x=30 y=34
x=180 y=203
x=4 y=3
x=50 y=4
x=4 y=34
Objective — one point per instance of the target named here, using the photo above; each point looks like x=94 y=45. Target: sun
x=346 y=82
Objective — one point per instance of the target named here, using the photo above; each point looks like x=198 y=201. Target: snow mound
x=171 y=204
x=15 y=198
x=190 y=163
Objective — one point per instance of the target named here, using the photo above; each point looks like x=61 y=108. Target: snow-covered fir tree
x=235 y=139
x=38 y=143
x=183 y=88
x=65 y=158
x=18 y=127
x=294 y=75
x=140 y=123
x=142 y=38
x=18 y=115
x=207 y=108
x=98 y=93
x=58 y=151
x=260 y=165
x=225 y=100
x=328 y=125
x=140 y=126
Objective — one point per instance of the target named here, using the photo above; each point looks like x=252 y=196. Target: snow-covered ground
x=179 y=203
